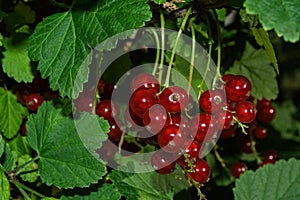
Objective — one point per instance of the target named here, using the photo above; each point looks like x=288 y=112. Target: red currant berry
x=156 y=118
x=162 y=162
x=238 y=168
x=192 y=149
x=107 y=109
x=245 y=112
x=33 y=101
x=246 y=144
x=181 y=121
x=212 y=100
x=225 y=118
x=23 y=127
x=174 y=99
x=267 y=114
x=238 y=88
x=260 y=132
x=204 y=126
x=146 y=81
x=141 y=100
x=101 y=86
x=171 y=139
x=228 y=133
x=132 y=121
x=201 y=171
x=263 y=103
x=271 y=156
x=108 y=90
x=227 y=77
x=116 y=130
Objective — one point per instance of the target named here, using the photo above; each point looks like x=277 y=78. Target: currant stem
x=182 y=27
x=19 y=168
x=22 y=186
x=121 y=143
x=162 y=55
x=253 y=148
x=219 y=158
x=192 y=57
x=25 y=195
x=157 y=51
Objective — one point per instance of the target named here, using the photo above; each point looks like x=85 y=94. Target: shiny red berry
x=33 y=101
x=145 y=81
x=238 y=88
x=141 y=100
x=156 y=118
x=271 y=156
x=171 y=138
x=260 y=132
x=228 y=133
x=263 y=103
x=246 y=144
x=225 y=118
x=180 y=120
x=162 y=162
x=266 y=114
x=174 y=99
x=212 y=101
x=191 y=151
x=132 y=121
x=245 y=112
x=116 y=130
x=227 y=77
x=201 y=171
x=107 y=109
x=238 y=168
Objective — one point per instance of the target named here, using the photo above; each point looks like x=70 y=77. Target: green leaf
x=102 y=193
x=255 y=65
x=283 y=16
x=159 y=1
x=12 y=112
x=278 y=181
x=4 y=186
x=63 y=41
x=9 y=158
x=20 y=145
x=2 y=145
x=16 y=62
x=262 y=38
x=284 y=114
x=92 y=131
x=2 y=15
x=150 y=185
x=29 y=177
x=64 y=160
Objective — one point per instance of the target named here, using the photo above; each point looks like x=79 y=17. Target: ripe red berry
x=238 y=168
x=238 y=88
x=156 y=118
x=228 y=133
x=245 y=112
x=225 y=118
x=266 y=114
x=107 y=109
x=260 y=132
x=141 y=100
x=33 y=101
x=271 y=156
x=162 y=162
x=174 y=99
x=212 y=100
x=246 y=144
x=227 y=77
x=116 y=130
x=132 y=121
x=146 y=81
x=23 y=127
x=263 y=103
x=192 y=149
x=171 y=139
x=201 y=171
x=109 y=88
x=203 y=127
x=180 y=120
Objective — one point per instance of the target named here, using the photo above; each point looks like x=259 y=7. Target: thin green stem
x=19 y=168
x=218 y=74
x=20 y=185
x=162 y=55
x=157 y=51
x=207 y=69
x=182 y=27
x=253 y=148
x=60 y=5
x=192 y=63
x=25 y=195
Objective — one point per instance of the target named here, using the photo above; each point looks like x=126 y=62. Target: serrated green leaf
x=64 y=160
x=9 y=158
x=283 y=16
x=255 y=65
x=29 y=177
x=20 y=145
x=2 y=145
x=4 y=186
x=278 y=181
x=92 y=131
x=63 y=41
x=284 y=114
x=262 y=38
x=146 y=186
x=102 y=193
x=12 y=112
x=16 y=62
